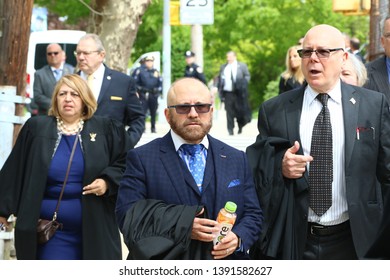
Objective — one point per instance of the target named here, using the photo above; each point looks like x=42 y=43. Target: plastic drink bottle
x=226 y=219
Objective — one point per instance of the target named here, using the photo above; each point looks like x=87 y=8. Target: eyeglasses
x=186 y=108
x=52 y=53
x=85 y=53
x=321 y=53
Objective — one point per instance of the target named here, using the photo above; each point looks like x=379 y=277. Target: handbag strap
x=66 y=175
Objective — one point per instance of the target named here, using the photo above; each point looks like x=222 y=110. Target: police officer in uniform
x=149 y=88
x=137 y=70
x=193 y=70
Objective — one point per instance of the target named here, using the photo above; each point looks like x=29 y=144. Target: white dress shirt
x=338 y=212
x=230 y=72
x=98 y=77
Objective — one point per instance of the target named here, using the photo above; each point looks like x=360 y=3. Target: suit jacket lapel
x=293 y=115
x=105 y=84
x=350 y=102
x=173 y=166
x=50 y=75
x=382 y=77
x=210 y=163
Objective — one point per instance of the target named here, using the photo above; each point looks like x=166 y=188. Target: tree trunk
x=15 y=19
x=379 y=10
x=117 y=23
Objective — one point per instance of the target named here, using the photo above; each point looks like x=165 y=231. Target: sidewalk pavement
x=218 y=130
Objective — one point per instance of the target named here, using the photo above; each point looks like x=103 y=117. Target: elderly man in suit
x=378 y=70
x=46 y=78
x=336 y=202
x=233 y=82
x=160 y=170
x=114 y=91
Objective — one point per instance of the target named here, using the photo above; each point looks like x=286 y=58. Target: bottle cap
x=231 y=207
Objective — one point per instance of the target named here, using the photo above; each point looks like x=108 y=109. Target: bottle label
x=223 y=231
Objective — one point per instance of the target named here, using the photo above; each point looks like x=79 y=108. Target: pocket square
x=116 y=98
x=234 y=183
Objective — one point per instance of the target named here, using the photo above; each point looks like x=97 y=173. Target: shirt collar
x=178 y=141
x=53 y=68
x=334 y=94
x=98 y=74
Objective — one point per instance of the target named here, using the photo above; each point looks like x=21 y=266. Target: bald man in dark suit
x=360 y=152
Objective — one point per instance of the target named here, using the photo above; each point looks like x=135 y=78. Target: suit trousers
x=337 y=246
x=230 y=100
x=150 y=103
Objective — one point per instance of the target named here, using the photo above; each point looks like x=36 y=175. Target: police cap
x=189 y=54
x=149 y=58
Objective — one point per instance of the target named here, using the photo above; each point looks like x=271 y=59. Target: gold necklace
x=65 y=130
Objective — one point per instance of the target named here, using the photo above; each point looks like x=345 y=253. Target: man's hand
x=226 y=247
x=204 y=229
x=293 y=165
x=3 y=223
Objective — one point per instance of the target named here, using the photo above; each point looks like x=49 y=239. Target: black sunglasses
x=52 y=53
x=186 y=108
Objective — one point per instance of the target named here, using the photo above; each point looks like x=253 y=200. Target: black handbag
x=45 y=228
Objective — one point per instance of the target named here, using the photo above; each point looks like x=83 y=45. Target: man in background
x=192 y=69
x=113 y=90
x=233 y=82
x=149 y=87
x=46 y=78
x=379 y=70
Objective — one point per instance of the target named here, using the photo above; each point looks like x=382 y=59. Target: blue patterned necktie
x=321 y=168
x=196 y=163
x=57 y=74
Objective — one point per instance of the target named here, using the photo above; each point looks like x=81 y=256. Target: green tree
x=259 y=31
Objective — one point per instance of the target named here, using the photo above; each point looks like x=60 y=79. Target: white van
x=36 y=57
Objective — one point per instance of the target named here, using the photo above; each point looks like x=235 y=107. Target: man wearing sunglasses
x=167 y=171
x=326 y=197
x=46 y=78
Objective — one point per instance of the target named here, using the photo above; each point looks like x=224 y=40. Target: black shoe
x=230 y=132
x=153 y=130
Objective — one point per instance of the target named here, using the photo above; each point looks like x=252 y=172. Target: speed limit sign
x=197 y=11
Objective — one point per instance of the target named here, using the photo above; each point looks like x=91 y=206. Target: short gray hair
x=96 y=39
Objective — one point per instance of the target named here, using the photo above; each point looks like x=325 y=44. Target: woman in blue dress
x=32 y=177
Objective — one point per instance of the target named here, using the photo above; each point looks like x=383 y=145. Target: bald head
x=189 y=86
x=322 y=70
x=325 y=34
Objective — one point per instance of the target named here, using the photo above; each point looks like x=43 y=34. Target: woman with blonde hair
x=33 y=177
x=292 y=77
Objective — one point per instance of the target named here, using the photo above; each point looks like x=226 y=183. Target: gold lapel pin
x=93 y=137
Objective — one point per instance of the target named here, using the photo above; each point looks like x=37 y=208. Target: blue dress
x=66 y=243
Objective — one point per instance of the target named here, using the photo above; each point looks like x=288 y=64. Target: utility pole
x=166 y=60
x=197 y=43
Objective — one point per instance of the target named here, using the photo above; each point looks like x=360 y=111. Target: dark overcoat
x=24 y=174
